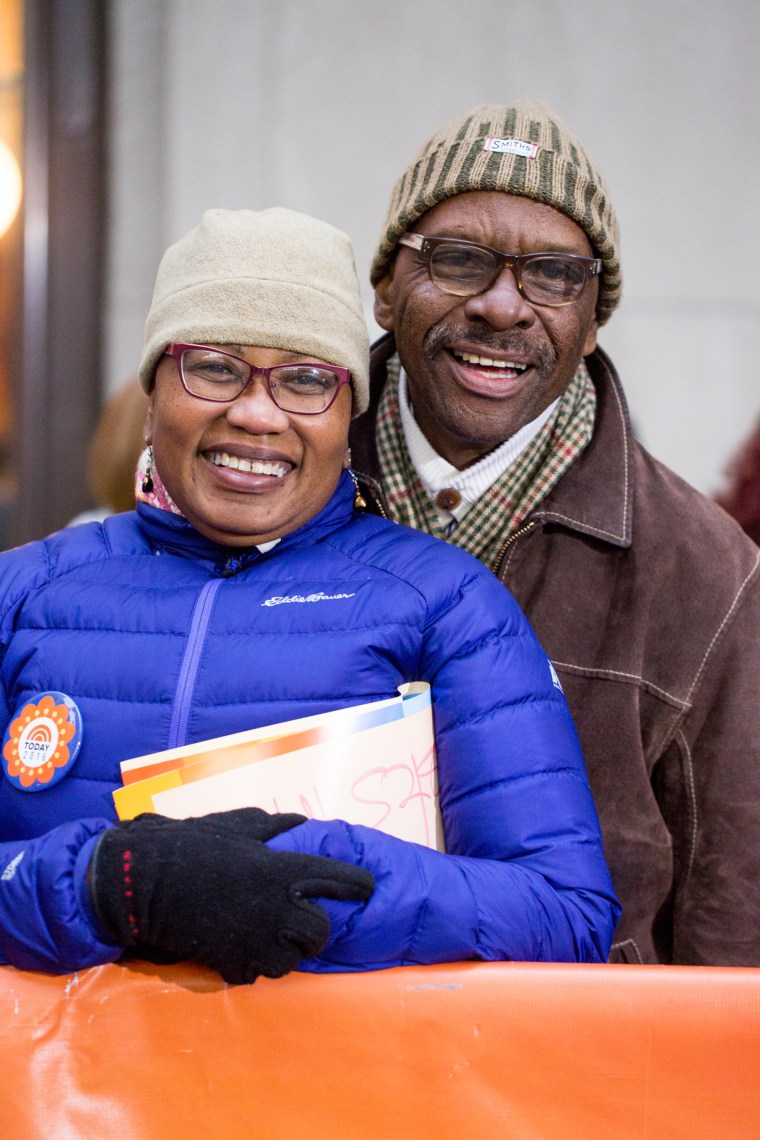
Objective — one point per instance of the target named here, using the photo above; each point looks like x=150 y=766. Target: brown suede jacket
x=646 y=596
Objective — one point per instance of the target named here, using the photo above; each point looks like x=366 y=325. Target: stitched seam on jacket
x=692 y=807
x=617 y=675
x=54 y=575
x=552 y=515
x=397 y=575
x=626 y=483
x=419 y=922
x=245 y=699
x=447 y=604
x=96 y=556
x=108 y=785
x=478 y=950
x=471 y=793
x=478 y=919
x=25 y=588
x=495 y=637
x=352 y=556
x=729 y=613
x=628 y=942
x=225 y=633
x=529 y=700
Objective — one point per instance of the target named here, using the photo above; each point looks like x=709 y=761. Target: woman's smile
x=238 y=459
x=249 y=466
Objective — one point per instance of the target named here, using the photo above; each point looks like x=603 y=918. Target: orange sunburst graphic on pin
x=38 y=741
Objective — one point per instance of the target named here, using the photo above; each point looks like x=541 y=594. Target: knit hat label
x=512 y=146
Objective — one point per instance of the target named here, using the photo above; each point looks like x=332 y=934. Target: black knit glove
x=208 y=889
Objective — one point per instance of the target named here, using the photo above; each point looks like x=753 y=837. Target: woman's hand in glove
x=209 y=890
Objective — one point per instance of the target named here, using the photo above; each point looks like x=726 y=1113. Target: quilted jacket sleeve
x=524 y=876
x=46 y=921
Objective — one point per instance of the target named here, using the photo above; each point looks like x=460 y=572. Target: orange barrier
x=476 y=1050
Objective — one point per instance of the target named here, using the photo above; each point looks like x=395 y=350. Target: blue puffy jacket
x=162 y=637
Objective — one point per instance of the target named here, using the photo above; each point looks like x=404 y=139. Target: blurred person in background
x=116 y=446
x=741 y=494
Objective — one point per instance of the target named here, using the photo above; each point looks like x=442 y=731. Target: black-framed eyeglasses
x=210 y=374
x=464 y=269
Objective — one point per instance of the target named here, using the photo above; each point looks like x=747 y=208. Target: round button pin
x=42 y=741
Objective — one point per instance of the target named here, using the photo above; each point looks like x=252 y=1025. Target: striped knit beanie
x=521 y=149
x=270 y=278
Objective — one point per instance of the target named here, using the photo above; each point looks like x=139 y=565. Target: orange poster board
x=530 y=1052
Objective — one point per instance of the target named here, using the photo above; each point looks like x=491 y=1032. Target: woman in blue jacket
x=155 y=629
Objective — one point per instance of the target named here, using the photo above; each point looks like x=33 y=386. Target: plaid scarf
x=516 y=492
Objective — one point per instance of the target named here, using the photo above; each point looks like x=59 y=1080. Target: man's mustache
x=505 y=345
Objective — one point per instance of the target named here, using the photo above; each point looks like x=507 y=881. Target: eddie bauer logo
x=318 y=597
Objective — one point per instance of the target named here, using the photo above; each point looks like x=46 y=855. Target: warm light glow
x=10 y=187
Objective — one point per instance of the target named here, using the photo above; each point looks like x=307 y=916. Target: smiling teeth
x=471 y=358
x=253 y=466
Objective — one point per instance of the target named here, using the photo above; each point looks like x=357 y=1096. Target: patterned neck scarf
x=516 y=492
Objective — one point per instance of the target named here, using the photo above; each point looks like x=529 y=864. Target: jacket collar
x=173 y=534
x=593 y=497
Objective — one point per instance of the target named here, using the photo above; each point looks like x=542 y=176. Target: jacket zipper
x=183 y=696
x=381 y=509
x=497 y=562
x=367 y=485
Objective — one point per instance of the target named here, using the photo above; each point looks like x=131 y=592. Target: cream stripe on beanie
x=490 y=149
x=267 y=278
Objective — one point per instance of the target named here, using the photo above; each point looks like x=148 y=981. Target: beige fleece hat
x=520 y=148
x=270 y=278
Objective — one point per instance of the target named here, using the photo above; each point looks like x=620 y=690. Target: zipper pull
x=232 y=565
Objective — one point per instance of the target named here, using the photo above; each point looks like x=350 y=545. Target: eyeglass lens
x=546 y=279
x=304 y=388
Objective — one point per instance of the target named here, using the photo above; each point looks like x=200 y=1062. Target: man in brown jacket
x=497 y=423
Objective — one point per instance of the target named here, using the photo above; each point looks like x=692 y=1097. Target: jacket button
x=448 y=499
